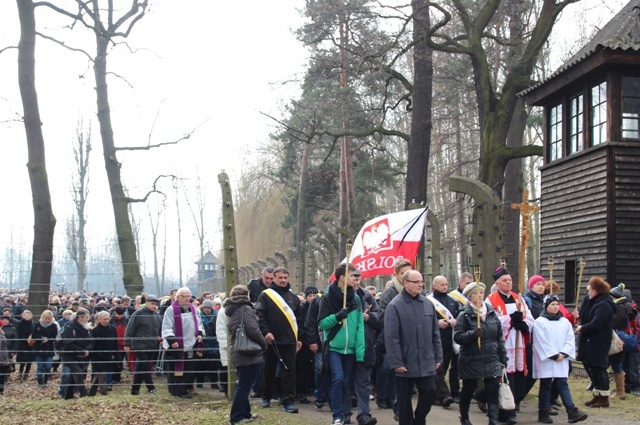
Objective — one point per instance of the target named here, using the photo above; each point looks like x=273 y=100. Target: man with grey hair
x=182 y=331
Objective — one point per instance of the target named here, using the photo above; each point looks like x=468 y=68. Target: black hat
x=152 y=298
x=6 y=317
x=310 y=290
x=500 y=271
x=549 y=299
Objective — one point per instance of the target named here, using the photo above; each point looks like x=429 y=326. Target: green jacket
x=350 y=337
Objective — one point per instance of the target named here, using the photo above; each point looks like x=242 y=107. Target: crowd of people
x=348 y=345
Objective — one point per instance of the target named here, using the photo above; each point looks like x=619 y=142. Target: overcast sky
x=213 y=64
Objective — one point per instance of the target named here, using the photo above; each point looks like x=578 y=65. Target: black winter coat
x=25 y=354
x=371 y=326
x=596 y=330
x=446 y=335
x=75 y=341
x=475 y=362
x=273 y=320
x=620 y=323
x=311 y=333
x=40 y=332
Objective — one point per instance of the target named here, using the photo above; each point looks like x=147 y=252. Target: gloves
x=478 y=331
x=521 y=326
x=342 y=314
x=516 y=316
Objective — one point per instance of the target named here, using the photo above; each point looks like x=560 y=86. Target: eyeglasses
x=415 y=281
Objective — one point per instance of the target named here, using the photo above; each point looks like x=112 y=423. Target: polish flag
x=385 y=239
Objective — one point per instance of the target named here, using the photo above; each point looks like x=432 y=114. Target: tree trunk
x=301 y=225
x=131 y=276
x=420 y=142
x=44 y=220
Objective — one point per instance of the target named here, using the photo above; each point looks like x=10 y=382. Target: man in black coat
x=278 y=311
x=447 y=309
x=258 y=285
x=77 y=344
x=142 y=336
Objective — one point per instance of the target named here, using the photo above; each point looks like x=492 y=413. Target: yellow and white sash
x=456 y=295
x=286 y=310
x=446 y=315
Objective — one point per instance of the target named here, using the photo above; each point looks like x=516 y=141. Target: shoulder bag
x=326 y=370
x=243 y=344
x=616 y=344
x=505 y=396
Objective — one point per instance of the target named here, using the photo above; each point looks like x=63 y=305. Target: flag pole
x=346 y=278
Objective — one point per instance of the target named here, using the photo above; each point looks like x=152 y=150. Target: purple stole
x=177 y=323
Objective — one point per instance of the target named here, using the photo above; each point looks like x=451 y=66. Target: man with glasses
x=181 y=331
x=414 y=349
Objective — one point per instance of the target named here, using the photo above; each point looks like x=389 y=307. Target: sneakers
x=543 y=417
x=319 y=405
x=303 y=399
x=346 y=420
x=243 y=421
x=337 y=422
x=367 y=420
x=253 y=394
x=153 y=391
x=265 y=404
x=289 y=408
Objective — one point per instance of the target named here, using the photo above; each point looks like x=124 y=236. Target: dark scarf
x=332 y=300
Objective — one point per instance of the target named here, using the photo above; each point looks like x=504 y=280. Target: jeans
x=386 y=384
x=240 y=408
x=44 y=366
x=322 y=382
x=616 y=367
x=632 y=375
x=340 y=365
x=426 y=387
x=65 y=377
x=257 y=381
x=560 y=386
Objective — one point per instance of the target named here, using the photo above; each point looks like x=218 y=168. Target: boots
x=543 y=416
x=492 y=413
x=619 y=393
x=575 y=415
x=594 y=400
x=39 y=379
x=465 y=421
x=603 y=400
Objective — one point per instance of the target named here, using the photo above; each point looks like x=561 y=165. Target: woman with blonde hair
x=24 y=354
x=44 y=334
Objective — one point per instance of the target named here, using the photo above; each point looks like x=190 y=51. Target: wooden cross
x=526 y=210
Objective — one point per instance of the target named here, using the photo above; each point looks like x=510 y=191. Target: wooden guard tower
x=590 y=202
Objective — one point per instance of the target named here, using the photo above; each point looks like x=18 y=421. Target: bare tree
x=76 y=243
x=179 y=223
x=154 y=222
x=198 y=213
x=44 y=220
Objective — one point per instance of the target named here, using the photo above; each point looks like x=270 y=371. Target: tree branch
x=153 y=190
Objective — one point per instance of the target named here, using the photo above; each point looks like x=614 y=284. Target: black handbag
x=243 y=344
x=326 y=370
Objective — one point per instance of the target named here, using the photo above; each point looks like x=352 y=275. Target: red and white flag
x=385 y=239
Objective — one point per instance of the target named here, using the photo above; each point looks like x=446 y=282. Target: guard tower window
x=598 y=111
x=576 y=115
x=630 y=108
x=555 y=132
